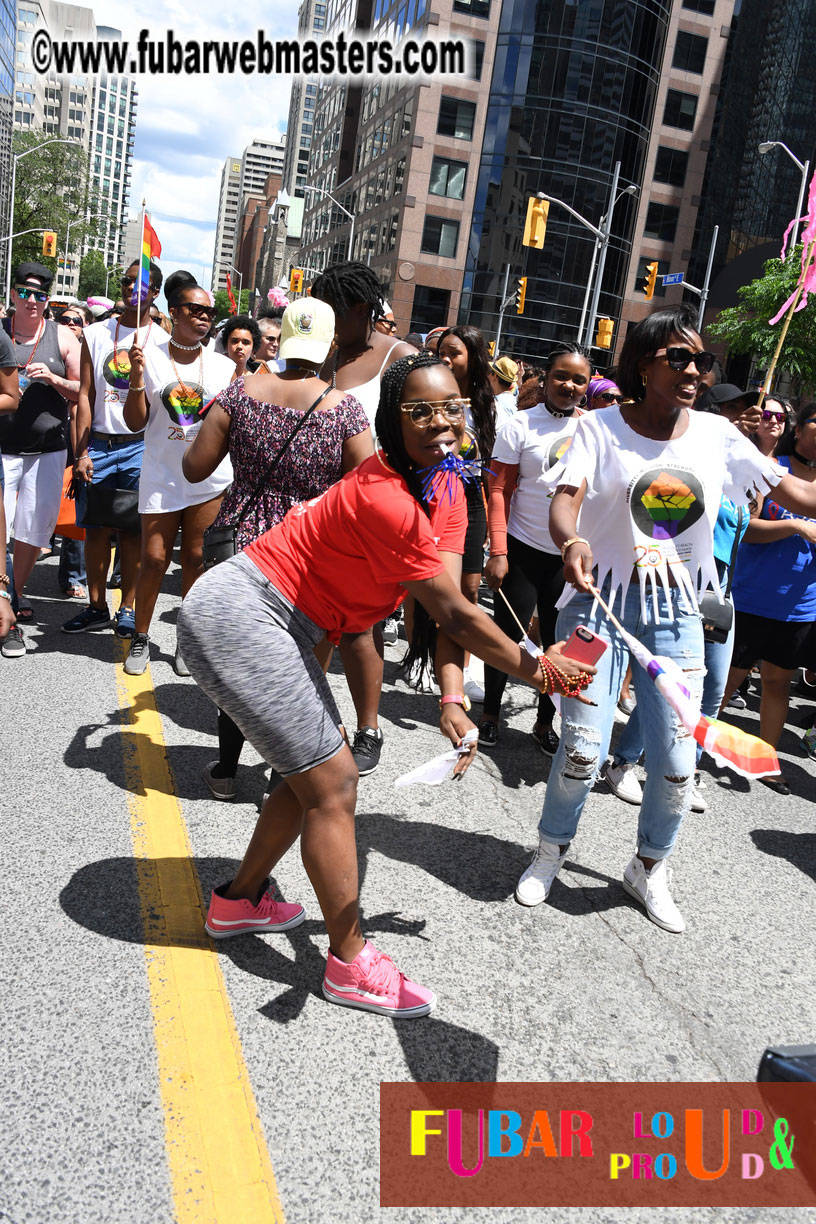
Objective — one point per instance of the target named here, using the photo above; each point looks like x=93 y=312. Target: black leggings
x=230 y=743
x=534 y=579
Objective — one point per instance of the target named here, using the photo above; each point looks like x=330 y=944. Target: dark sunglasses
x=71 y=321
x=24 y=293
x=199 y=311
x=608 y=397
x=767 y=415
x=680 y=358
x=128 y=280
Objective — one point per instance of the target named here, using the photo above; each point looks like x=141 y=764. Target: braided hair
x=388 y=426
x=566 y=346
x=482 y=400
x=346 y=284
x=388 y=421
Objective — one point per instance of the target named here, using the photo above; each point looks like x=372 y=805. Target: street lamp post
x=804 y=167
x=602 y=234
x=350 y=215
x=630 y=190
x=14 y=159
x=240 y=275
x=92 y=217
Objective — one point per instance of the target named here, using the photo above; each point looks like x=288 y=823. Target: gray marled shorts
x=251 y=652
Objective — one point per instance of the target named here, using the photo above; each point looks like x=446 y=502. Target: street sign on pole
x=672 y=278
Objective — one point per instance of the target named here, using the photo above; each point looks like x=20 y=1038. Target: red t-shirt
x=342 y=558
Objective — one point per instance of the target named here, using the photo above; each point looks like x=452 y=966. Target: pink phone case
x=584 y=646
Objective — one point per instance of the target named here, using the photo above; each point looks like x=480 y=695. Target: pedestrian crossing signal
x=535 y=227
x=606 y=329
x=521 y=294
x=49 y=243
x=296 y=280
x=651 y=278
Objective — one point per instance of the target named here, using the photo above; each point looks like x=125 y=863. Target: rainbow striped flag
x=151 y=249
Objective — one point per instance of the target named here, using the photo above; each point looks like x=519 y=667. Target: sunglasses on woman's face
x=608 y=397
x=680 y=358
x=199 y=311
x=422 y=412
x=767 y=415
x=24 y=293
x=71 y=321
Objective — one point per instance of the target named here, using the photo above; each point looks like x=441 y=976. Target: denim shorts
x=118 y=465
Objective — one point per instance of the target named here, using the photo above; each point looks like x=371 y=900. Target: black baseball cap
x=34 y=271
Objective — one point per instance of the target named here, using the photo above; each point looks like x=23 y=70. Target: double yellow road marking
x=218 y=1160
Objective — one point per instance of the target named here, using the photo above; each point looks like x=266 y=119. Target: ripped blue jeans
x=586 y=730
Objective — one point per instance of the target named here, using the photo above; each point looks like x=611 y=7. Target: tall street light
x=804 y=167
x=79 y=220
x=14 y=160
x=630 y=190
x=350 y=215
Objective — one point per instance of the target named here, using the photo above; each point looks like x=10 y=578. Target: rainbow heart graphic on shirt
x=116 y=369
x=664 y=502
x=183 y=402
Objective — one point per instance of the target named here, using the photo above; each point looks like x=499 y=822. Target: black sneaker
x=366 y=749
x=488 y=733
x=89 y=620
x=547 y=741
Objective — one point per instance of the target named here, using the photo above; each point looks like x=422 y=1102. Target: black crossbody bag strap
x=256 y=493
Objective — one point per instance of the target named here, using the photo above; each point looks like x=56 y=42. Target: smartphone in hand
x=584 y=646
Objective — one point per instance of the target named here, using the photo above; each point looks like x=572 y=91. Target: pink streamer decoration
x=277 y=297
x=807 y=279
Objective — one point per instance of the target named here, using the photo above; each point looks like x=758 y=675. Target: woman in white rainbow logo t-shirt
x=647 y=478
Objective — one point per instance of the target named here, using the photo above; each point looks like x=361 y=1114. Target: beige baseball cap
x=307 y=331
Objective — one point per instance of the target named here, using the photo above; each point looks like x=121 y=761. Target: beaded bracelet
x=5 y=580
x=569 y=686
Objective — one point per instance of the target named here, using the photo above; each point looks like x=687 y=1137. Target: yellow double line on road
x=217 y=1155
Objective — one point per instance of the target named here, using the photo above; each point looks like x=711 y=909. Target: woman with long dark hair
x=648 y=480
x=463 y=349
x=338 y=564
x=524 y=563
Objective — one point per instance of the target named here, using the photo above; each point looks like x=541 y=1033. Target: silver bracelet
x=135 y=388
x=5 y=595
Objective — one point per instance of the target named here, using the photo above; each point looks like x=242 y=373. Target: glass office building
x=572 y=91
x=768 y=93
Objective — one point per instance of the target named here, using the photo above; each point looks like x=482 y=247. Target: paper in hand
x=435 y=771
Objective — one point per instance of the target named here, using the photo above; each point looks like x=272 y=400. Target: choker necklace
x=555 y=413
x=808 y=463
x=187 y=348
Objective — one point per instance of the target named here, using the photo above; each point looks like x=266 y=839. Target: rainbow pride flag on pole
x=735 y=749
x=150 y=249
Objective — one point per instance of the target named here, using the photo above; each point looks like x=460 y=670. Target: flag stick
x=512 y=613
x=772 y=367
x=139 y=277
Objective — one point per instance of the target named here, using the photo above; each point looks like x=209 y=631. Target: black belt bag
x=221 y=543
x=719 y=617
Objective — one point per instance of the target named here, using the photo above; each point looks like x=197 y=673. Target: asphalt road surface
x=119 y=1013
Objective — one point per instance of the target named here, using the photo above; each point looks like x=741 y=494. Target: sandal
x=488 y=733
x=778 y=783
x=25 y=612
x=75 y=592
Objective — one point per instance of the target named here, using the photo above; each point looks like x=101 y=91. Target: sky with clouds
x=187 y=125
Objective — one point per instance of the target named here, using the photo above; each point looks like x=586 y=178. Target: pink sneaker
x=226 y=917
x=373 y=983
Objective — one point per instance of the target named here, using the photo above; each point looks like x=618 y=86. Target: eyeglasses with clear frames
x=422 y=412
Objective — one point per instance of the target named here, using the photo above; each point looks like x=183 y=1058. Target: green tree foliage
x=745 y=328
x=94 y=277
x=50 y=191
x=222 y=303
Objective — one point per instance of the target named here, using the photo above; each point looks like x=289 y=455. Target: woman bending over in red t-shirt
x=335 y=565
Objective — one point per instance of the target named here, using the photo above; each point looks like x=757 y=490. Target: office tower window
x=661 y=222
x=440 y=237
x=456 y=118
x=689 y=52
x=680 y=110
x=671 y=166
x=448 y=178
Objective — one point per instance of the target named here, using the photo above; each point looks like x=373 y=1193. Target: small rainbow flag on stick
x=745 y=754
x=151 y=249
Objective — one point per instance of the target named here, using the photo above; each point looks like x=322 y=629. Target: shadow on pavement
x=103 y=897
x=798 y=848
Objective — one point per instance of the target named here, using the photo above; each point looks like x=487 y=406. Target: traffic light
x=49 y=245
x=604 y=337
x=650 y=279
x=296 y=280
x=491 y=347
x=535 y=227
x=521 y=294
